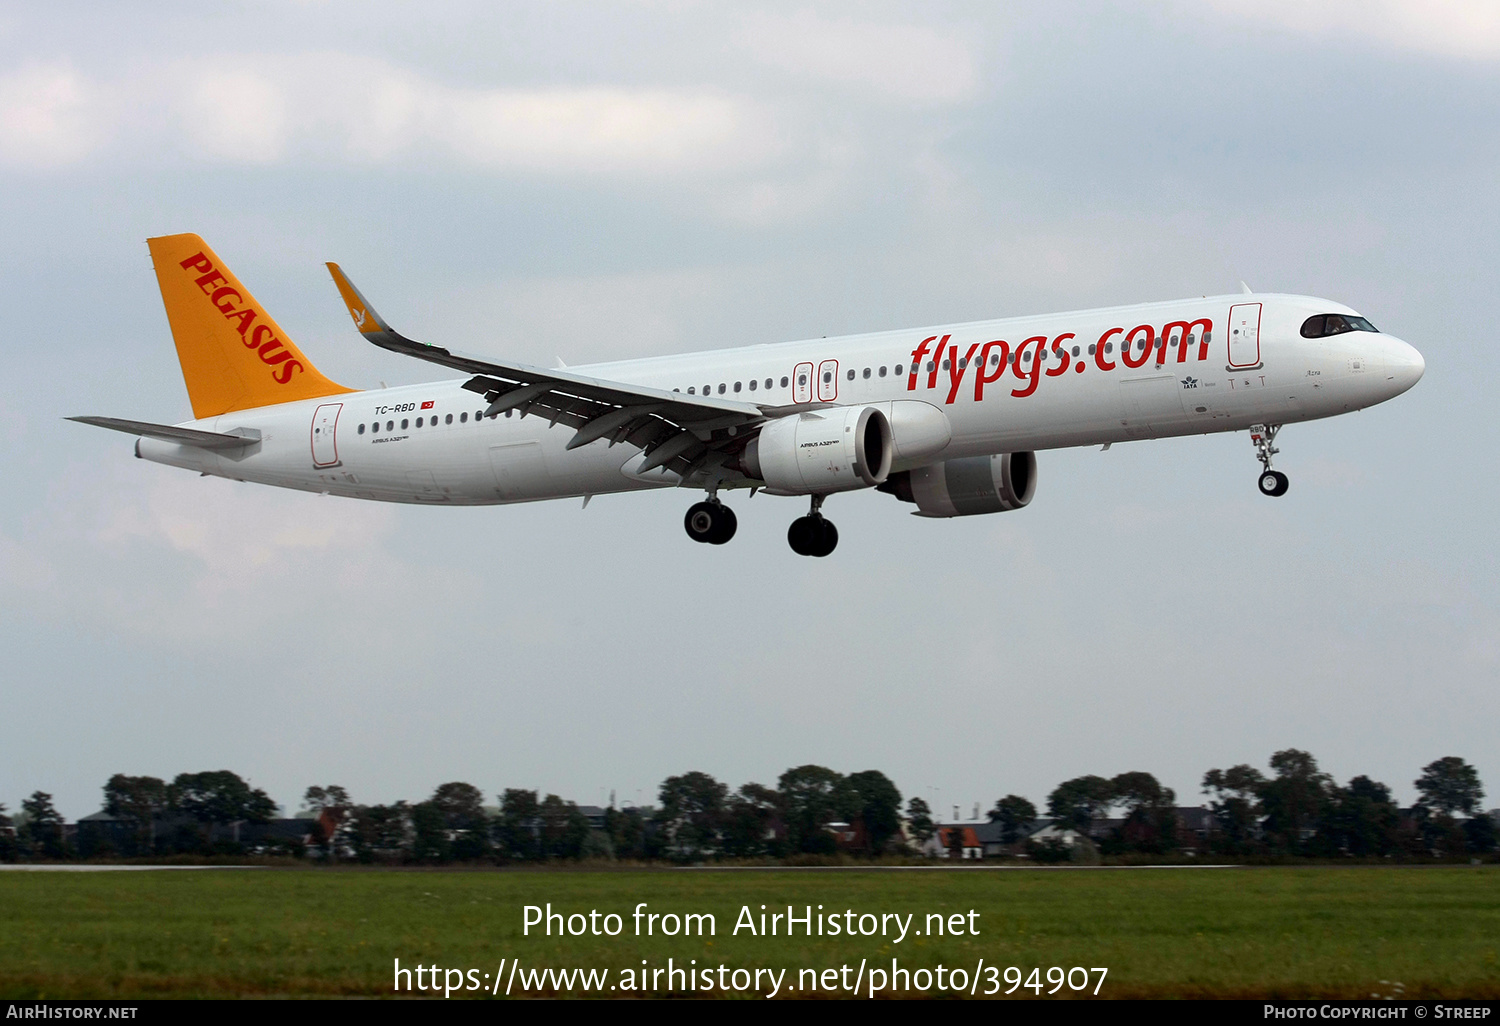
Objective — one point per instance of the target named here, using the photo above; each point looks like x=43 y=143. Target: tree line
x=1294 y=810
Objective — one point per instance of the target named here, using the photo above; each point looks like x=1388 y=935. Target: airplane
x=948 y=419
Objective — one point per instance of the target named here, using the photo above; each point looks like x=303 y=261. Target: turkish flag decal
x=427 y=406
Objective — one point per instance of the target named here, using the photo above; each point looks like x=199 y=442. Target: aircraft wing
x=168 y=433
x=684 y=433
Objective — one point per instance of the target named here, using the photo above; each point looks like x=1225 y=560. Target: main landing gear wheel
x=711 y=522
x=812 y=535
x=1263 y=437
x=1273 y=482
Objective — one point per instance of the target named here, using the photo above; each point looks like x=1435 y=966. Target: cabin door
x=325 y=448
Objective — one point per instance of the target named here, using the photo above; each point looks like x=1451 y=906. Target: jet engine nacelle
x=963 y=488
x=829 y=450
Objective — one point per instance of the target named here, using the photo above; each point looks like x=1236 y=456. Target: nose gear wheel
x=1273 y=482
x=1263 y=436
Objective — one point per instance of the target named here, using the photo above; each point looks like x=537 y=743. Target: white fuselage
x=1253 y=368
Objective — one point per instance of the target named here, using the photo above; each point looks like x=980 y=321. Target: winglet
x=365 y=318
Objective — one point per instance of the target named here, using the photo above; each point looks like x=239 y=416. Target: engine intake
x=823 y=451
x=967 y=487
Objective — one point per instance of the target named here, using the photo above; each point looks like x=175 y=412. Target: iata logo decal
x=259 y=337
x=1036 y=357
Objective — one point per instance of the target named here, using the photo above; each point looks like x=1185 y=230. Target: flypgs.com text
x=1028 y=359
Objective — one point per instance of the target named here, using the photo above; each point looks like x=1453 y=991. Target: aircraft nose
x=1404 y=366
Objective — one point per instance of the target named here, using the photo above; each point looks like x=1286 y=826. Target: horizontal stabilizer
x=167 y=433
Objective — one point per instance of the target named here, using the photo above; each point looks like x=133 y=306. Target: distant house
x=1195 y=825
x=848 y=836
x=1053 y=830
x=941 y=844
x=992 y=836
x=102 y=832
x=594 y=814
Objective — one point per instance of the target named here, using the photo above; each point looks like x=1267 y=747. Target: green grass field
x=1248 y=932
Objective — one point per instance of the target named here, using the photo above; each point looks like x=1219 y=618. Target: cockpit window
x=1323 y=325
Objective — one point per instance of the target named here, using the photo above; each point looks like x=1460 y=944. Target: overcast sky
x=595 y=182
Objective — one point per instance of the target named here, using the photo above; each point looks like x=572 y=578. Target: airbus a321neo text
x=946 y=418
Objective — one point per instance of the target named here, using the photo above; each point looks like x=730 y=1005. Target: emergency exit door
x=325 y=448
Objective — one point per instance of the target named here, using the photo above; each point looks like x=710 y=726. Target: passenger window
x=419 y=422
x=898 y=370
x=448 y=419
x=463 y=418
x=929 y=367
x=1091 y=349
x=404 y=423
x=851 y=373
x=784 y=381
x=801 y=379
x=692 y=390
x=753 y=383
x=827 y=377
x=867 y=372
x=882 y=372
x=1109 y=347
x=361 y=429
x=707 y=389
x=721 y=388
x=769 y=381
x=736 y=386
x=994 y=358
x=677 y=390
x=390 y=425
x=945 y=365
x=1075 y=350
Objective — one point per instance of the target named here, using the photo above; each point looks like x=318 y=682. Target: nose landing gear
x=812 y=535
x=710 y=521
x=1272 y=482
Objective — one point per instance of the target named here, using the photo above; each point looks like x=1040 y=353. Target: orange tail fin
x=233 y=355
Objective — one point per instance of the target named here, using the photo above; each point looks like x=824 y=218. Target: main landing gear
x=812 y=535
x=1272 y=482
x=710 y=521
x=713 y=522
